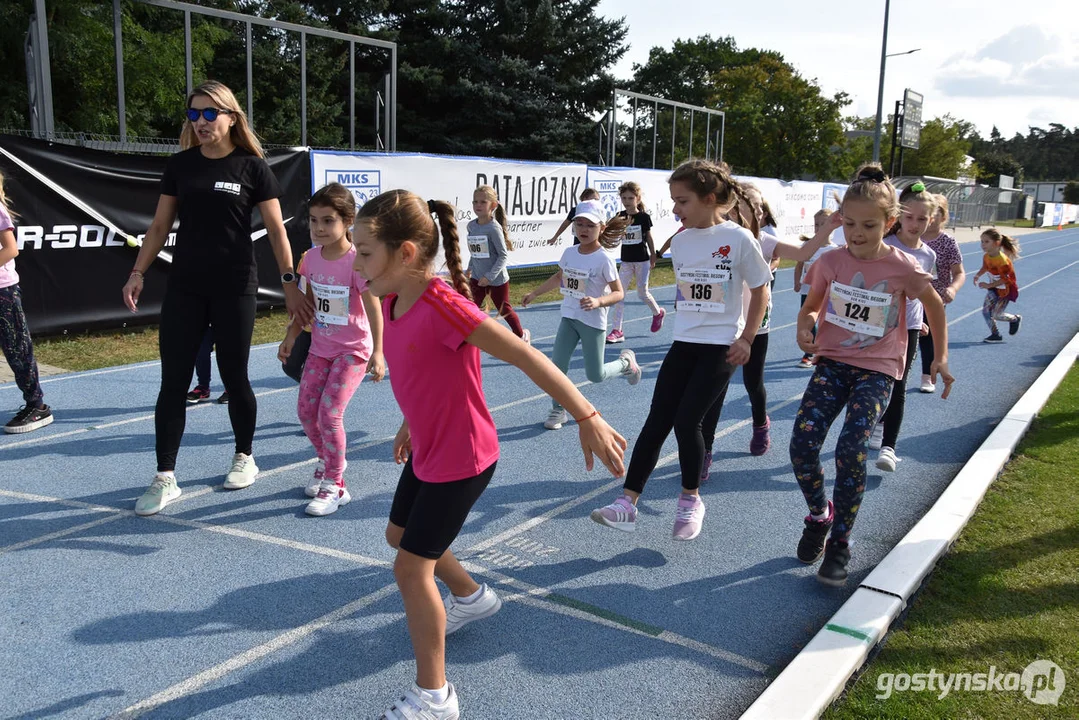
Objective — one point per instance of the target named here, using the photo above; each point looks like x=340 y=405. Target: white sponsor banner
x=1055 y=214
x=655 y=193
x=537 y=197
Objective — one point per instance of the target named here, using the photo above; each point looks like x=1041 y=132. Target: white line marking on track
x=60 y=533
x=1028 y=285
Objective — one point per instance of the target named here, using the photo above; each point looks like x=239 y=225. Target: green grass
x=1006 y=595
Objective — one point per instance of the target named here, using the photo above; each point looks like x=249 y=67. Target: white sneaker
x=316 y=479
x=927 y=384
x=161 y=492
x=526 y=336
x=412 y=705
x=555 y=420
x=887 y=460
x=877 y=438
x=329 y=497
x=243 y=472
x=459 y=614
x=632 y=373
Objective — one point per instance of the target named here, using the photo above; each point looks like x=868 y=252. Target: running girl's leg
x=989 y=309
x=479 y=292
x=593 y=345
x=312 y=384
x=893 y=416
x=565 y=342
x=18 y=347
x=500 y=296
x=202 y=360
x=642 y=271
x=825 y=395
x=625 y=274
x=344 y=377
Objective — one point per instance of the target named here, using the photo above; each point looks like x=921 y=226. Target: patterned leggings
x=993 y=309
x=864 y=394
x=18 y=349
x=325 y=390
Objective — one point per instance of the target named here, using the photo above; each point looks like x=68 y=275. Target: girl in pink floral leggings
x=346 y=342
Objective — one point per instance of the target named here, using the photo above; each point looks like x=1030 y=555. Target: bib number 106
x=700 y=292
x=856 y=311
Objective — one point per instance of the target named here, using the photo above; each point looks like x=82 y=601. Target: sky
x=989 y=62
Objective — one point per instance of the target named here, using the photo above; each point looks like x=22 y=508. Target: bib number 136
x=700 y=292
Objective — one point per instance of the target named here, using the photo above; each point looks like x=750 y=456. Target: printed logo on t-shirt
x=229 y=187
x=722 y=252
x=867 y=313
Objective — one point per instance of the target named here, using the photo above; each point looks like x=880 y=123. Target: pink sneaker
x=620 y=515
x=615 y=336
x=761 y=440
x=657 y=320
x=689 y=517
x=707 y=465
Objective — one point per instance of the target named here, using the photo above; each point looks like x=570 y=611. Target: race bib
x=858 y=310
x=574 y=282
x=991 y=278
x=703 y=289
x=634 y=236
x=477 y=246
x=331 y=303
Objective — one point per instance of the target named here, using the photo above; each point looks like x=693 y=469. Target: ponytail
x=613 y=230
x=500 y=217
x=451 y=246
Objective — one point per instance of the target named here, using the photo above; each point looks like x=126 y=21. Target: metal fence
x=648 y=109
x=970 y=205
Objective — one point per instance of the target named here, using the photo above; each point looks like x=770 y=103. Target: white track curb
x=819 y=673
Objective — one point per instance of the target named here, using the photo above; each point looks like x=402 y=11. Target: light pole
x=880 y=88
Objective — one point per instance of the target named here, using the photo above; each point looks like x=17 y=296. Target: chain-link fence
x=971 y=205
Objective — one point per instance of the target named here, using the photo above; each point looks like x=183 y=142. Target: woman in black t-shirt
x=213 y=186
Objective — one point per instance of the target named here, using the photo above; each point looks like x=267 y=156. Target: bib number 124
x=856 y=311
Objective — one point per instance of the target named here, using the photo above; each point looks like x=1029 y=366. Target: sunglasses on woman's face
x=209 y=113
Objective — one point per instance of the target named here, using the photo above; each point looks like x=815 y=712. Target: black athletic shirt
x=216 y=198
x=639 y=224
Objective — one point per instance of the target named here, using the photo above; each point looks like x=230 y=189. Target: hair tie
x=431 y=206
x=876 y=175
x=918 y=187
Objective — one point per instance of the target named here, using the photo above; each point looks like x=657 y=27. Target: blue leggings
x=592 y=340
x=864 y=393
x=17 y=346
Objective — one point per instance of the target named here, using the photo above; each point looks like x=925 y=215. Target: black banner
x=73 y=265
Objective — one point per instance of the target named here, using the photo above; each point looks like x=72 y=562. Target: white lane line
x=238 y=662
x=1028 y=285
x=59 y=533
x=1022 y=242
x=140 y=418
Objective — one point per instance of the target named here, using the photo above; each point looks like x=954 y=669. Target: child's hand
x=483 y=282
x=797 y=286
x=924 y=331
x=834 y=221
x=553 y=241
x=376 y=366
x=402 y=445
x=600 y=439
x=589 y=303
x=947 y=295
x=806 y=342
x=984 y=285
x=652 y=261
x=739 y=352
x=945 y=376
x=527 y=299
x=285 y=349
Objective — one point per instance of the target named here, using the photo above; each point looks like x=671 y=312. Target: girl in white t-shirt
x=712 y=258
x=584 y=274
x=749 y=215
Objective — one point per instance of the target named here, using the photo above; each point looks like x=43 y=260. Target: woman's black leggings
x=184 y=319
x=691 y=378
x=753 y=379
x=893 y=416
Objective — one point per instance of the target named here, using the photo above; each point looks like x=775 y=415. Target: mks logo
x=608 y=195
x=364 y=184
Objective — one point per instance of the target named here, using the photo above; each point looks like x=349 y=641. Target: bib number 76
x=323 y=304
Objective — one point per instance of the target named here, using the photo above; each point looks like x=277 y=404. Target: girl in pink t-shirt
x=346 y=342
x=859 y=293
x=447 y=442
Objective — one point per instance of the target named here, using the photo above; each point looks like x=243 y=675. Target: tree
x=778 y=123
x=944 y=144
x=992 y=164
x=1071 y=192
